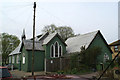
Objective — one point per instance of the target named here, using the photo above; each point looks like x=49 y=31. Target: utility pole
x=108 y=66
x=33 y=39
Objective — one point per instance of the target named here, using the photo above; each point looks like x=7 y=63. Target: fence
x=57 y=64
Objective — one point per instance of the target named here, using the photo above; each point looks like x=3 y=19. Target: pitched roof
x=29 y=45
x=39 y=41
x=75 y=43
x=49 y=37
x=43 y=36
x=115 y=43
x=17 y=50
x=36 y=38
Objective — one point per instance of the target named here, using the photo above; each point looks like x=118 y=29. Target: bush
x=74 y=71
x=84 y=61
x=60 y=72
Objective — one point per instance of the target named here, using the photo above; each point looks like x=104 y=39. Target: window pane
x=17 y=60
x=60 y=51
x=13 y=59
x=116 y=48
x=52 y=51
x=10 y=59
x=56 y=49
x=23 y=60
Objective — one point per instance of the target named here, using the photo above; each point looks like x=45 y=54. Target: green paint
x=24 y=67
x=98 y=41
x=48 y=46
x=16 y=65
x=38 y=60
x=39 y=56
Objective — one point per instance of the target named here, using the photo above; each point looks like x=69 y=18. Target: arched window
x=52 y=51
x=60 y=50
x=56 y=49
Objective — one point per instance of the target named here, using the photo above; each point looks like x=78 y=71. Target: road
x=19 y=74
x=62 y=79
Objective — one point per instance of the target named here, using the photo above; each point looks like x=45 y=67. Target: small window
x=116 y=48
x=13 y=59
x=10 y=59
x=17 y=60
x=23 y=58
x=106 y=57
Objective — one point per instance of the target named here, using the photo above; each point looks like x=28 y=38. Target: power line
x=59 y=19
x=17 y=6
x=17 y=16
x=28 y=19
x=15 y=9
x=12 y=20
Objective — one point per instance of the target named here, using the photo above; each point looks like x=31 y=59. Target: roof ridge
x=115 y=42
x=85 y=34
x=74 y=43
x=90 y=32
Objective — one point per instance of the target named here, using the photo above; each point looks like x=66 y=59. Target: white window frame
x=51 y=50
x=116 y=48
x=54 y=50
x=17 y=59
x=10 y=59
x=58 y=49
x=23 y=59
x=13 y=59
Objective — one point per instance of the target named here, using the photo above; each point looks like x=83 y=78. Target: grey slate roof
x=39 y=41
x=48 y=38
x=29 y=45
x=75 y=43
x=17 y=50
x=43 y=36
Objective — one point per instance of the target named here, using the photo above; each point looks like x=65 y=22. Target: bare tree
x=49 y=28
x=64 y=31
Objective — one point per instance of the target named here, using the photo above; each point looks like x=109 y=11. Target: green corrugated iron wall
x=24 y=67
x=38 y=57
x=16 y=65
x=38 y=61
x=47 y=47
x=98 y=41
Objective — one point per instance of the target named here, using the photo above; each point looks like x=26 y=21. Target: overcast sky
x=82 y=16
